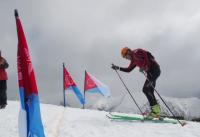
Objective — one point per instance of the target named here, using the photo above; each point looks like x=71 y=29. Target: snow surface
x=73 y=122
x=184 y=107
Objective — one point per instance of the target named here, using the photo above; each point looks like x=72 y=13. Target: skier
x=3 y=84
x=146 y=63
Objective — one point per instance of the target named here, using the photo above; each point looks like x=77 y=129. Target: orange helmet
x=124 y=51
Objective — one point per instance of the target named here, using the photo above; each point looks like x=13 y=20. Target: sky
x=88 y=35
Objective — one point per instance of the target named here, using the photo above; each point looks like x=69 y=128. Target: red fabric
x=89 y=83
x=3 y=74
x=68 y=81
x=140 y=59
x=26 y=76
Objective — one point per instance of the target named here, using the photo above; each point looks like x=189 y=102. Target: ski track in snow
x=53 y=120
x=70 y=122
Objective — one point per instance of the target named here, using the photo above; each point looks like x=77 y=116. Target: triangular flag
x=69 y=84
x=93 y=85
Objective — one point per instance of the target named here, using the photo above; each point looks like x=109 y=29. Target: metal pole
x=64 y=85
x=84 y=89
x=129 y=93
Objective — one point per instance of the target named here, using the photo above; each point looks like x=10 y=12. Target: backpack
x=150 y=56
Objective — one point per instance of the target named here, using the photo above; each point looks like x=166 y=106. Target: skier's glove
x=115 y=67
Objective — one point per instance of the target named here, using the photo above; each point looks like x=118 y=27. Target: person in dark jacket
x=146 y=63
x=3 y=82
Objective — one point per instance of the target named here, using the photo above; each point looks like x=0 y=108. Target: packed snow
x=74 y=122
x=183 y=107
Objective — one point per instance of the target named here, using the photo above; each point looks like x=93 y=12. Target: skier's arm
x=129 y=69
x=4 y=65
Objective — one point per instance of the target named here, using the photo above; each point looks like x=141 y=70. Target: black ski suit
x=3 y=83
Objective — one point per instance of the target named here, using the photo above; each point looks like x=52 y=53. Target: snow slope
x=73 y=122
x=184 y=107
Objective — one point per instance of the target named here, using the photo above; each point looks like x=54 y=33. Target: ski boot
x=2 y=106
x=155 y=112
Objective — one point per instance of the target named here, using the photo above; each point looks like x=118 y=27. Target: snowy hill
x=73 y=122
x=183 y=107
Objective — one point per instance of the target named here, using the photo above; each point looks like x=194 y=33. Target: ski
x=120 y=117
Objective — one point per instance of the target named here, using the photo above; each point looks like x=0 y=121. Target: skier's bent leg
x=148 y=90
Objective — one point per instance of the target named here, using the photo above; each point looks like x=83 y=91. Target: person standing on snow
x=3 y=85
x=146 y=63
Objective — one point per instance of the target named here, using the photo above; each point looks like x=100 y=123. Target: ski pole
x=64 y=98
x=129 y=93
x=182 y=124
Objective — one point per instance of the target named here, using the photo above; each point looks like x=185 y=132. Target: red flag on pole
x=30 y=123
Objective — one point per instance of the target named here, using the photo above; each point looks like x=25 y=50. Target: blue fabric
x=21 y=93
x=34 y=122
x=78 y=94
x=103 y=91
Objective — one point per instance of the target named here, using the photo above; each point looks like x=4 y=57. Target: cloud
x=89 y=35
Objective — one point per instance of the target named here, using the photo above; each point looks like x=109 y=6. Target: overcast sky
x=89 y=34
